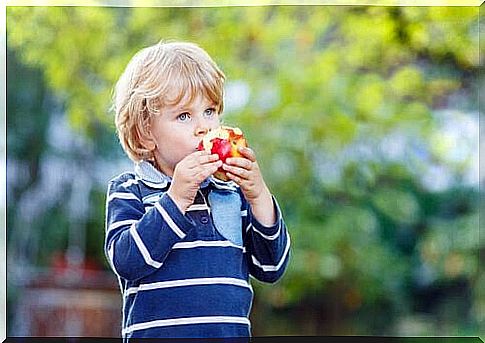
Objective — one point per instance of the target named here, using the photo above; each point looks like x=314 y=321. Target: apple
x=223 y=141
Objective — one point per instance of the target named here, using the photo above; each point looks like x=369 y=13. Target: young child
x=181 y=242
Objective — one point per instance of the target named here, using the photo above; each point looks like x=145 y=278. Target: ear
x=146 y=138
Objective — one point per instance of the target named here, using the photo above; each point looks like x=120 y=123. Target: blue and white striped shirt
x=187 y=275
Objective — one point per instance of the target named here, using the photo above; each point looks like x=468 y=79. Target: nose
x=202 y=127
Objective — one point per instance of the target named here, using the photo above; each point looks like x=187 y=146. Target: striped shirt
x=187 y=275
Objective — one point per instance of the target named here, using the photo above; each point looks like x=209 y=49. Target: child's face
x=178 y=129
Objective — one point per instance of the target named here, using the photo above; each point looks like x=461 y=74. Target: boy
x=181 y=242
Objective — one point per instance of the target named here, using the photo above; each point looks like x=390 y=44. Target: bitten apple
x=223 y=141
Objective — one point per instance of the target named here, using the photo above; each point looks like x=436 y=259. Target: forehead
x=181 y=95
x=185 y=99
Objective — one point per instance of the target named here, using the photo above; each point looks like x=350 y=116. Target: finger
x=211 y=165
x=237 y=171
x=208 y=169
x=234 y=178
x=204 y=159
x=248 y=153
x=240 y=162
x=199 y=153
x=192 y=160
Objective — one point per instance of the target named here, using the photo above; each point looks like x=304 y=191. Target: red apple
x=223 y=141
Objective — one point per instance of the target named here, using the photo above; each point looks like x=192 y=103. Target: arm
x=137 y=243
x=267 y=239
x=268 y=246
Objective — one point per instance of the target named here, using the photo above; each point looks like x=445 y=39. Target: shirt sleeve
x=268 y=247
x=137 y=242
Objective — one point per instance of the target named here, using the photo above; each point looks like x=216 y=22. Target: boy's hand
x=189 y=173
x=246 y=173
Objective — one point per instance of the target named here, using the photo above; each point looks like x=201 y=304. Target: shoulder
x=123 y=177
x=123 y=182
x=122 y=188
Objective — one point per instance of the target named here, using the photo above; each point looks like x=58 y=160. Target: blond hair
x=142 y=88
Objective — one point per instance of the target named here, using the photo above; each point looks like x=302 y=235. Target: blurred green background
x=365 y=122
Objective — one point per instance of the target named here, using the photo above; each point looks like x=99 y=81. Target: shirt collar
x=148 y=174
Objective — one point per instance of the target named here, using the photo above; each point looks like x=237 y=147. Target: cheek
x=162 y=133
x=215 y=123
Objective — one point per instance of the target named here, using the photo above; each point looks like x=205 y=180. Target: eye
x=210 y=112
x=183 y=117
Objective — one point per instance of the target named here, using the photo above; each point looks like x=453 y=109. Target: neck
x=161 y=168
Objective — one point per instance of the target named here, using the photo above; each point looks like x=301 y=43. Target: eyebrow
x=185 y=108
